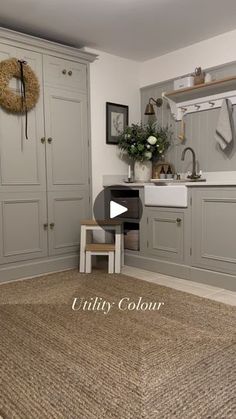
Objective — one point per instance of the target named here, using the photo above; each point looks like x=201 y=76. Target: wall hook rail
x=199 y=104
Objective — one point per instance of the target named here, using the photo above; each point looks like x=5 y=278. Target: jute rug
x=175 y=362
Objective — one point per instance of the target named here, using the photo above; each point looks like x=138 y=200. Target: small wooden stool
x=114 y=251
x=99 y=249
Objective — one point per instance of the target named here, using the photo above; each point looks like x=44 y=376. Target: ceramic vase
x=142 y=171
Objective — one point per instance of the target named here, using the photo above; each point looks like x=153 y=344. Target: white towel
x=224 y=128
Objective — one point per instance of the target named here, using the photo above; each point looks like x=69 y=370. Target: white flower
x=148 y=146
x=152 y=140
x=148 y=155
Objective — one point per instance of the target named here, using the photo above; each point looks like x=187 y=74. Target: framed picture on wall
x=117 y=118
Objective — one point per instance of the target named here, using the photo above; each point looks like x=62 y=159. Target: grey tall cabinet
x=45 y=180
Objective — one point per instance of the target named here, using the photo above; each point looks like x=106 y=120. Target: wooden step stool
x=114 y=251
x=99 y=249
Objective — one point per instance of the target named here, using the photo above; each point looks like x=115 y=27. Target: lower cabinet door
x=65 y=211
x=214 y=229
x=165 y=234
x=22 y=219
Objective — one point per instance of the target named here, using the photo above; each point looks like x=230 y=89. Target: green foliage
x=144 y=141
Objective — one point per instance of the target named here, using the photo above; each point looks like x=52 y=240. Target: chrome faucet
x=194 y=174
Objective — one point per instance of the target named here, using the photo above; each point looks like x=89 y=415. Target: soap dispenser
x=169 y=173
x=162 y=173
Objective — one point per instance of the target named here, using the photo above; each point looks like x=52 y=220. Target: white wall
x=113 y=79
x=209 y=53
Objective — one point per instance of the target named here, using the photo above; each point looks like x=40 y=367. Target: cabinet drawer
x=69 y=74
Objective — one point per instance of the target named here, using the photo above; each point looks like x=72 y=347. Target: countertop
x=188 y=184
x=212 y=179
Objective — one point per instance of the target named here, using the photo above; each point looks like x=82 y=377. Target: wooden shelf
x=201 y=97
x=203 y=90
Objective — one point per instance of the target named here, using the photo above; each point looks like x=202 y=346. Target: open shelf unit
x=131 y=220
x=201 y=97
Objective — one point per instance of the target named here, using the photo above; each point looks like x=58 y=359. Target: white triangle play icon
x=116 y=209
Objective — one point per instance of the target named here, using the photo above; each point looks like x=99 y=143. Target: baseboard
x=37 y=267
x=157 y=265
x=217 y=279
x=205 y=276
x=22 y=270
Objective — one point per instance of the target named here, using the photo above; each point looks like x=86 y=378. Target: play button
x=116 y=209
x=119 y=203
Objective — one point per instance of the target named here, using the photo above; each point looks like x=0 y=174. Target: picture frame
x=117 y=119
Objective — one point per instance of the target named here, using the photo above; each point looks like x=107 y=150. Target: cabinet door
x=67 y=149
x=22 y=221
x=65 y=211
x=65 y=73
x=22 y=161
x=214 y=229
x=165 y=234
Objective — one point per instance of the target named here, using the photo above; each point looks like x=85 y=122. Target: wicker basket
x=131 y=240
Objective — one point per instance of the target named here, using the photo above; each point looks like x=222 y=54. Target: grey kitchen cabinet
x=45 y=179
x=165 y=233
x=65 y=73
x=65 y=210
x=214 y=229
x=22 y=161
x=22 y=226
x=67 y=139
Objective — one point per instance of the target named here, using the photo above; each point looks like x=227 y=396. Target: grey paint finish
x=200 y=130
x=37 y=267
x=205 y=249
x=37 y=220
x=214 y=229
x=217 y=279
x=165 y=234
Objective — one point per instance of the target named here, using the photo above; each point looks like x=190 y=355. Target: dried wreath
x=10 y=100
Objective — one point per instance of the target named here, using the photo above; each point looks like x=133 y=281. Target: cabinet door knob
x=45 y=226
x=70 y=73
x=52 y=226
x=49 y=140
x=43 y=139
x=178 y=220
x=64 y=71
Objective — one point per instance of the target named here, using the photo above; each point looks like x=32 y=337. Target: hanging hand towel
x=224 y=128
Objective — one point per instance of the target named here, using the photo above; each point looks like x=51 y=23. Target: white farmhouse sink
x=168 y=195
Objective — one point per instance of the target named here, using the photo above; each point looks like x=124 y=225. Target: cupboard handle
x=45 y=226
x=178 y=220
x=52 y=226
x=49 y=140
x=64 y=71
x=43 y=139
x=70 y=73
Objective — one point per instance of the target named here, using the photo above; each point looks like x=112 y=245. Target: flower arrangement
x=144 y=141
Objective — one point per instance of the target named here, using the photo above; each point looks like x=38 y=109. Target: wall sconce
x=149 y=110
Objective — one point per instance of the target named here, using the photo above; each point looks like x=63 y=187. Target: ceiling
x=135 y=29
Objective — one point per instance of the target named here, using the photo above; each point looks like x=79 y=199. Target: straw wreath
x=10 y=100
